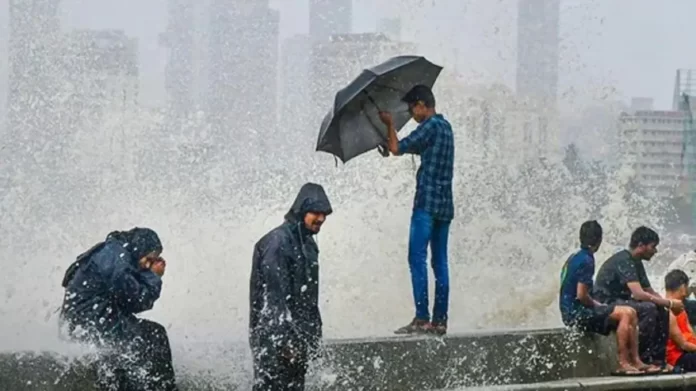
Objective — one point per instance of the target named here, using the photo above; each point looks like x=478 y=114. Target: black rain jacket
x=284 y=284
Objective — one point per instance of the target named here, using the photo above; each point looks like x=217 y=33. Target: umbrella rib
x=371 y=101
x=374 y=127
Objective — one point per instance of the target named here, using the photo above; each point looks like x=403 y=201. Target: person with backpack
x=105 y=288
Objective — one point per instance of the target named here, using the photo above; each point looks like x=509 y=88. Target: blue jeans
x=426 y=230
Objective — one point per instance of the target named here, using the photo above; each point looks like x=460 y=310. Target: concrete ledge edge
x=597 y=384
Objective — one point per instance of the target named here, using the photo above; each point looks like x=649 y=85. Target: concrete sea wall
x=505 y=360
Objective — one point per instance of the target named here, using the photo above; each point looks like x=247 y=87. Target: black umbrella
x=352 y=126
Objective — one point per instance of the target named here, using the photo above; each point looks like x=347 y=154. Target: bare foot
x=627 y=366
x=664 y=367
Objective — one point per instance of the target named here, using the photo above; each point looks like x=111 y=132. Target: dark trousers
x=141 y=360
x=273 y=372
x=687 y=362
x=653 y=330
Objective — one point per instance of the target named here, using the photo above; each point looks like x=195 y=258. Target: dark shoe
x=439 y=328
x=417 y=326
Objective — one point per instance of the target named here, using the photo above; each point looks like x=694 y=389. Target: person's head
x=421 y=102
x=644 y=243
x=143 y=244
x=310 y=208
x=677 y=284
x=591 y=235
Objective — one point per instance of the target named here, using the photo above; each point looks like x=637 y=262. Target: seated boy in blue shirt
x=580 y=311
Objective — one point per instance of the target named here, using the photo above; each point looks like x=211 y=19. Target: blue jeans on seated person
x=427 y=231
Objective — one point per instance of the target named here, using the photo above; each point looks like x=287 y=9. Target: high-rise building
x=684 y=84
x=295 y=84
x=34 y=72
x=4 y=66
x=538 y=50
x=178 y=39
x=657 y=140
x=243 y=68
x=100 y=70
x=327 y=17
x=338 y=61
x=223 y=64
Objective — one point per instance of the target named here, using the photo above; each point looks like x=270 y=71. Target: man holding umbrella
x=433 y=207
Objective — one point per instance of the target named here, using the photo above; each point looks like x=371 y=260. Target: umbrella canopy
x=352 y=126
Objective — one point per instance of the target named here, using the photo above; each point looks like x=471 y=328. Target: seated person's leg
x=157 y=352
x=607 y=318
x=647 y=328
x=687 y=362
x=627 y=328
x=146 y=345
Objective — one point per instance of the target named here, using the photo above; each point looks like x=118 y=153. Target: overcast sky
x=622 y=47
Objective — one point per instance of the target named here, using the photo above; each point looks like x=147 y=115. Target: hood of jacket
x=310 y=198
x=138 y=242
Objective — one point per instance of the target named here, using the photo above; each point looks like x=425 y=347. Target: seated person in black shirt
x=622 y=280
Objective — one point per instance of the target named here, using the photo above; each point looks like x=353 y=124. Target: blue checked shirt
x=434 y=142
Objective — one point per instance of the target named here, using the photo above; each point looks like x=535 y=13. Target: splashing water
x=516 y=221
x=514 y=225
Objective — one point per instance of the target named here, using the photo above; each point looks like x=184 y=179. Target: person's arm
x=415 y=143
x=628 y=275
x=677 y=337
x=652 y=292
x=640 y=294
x=644 y=283
x=392 y=139
x=275 y=272
x=584 y=297
x=135 y=291
x=585 y=273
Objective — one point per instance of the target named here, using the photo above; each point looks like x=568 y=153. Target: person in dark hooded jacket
x=285 y=325
x=104 y=289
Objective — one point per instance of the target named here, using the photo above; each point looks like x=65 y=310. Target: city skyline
x=593 y=34
x=537 y=50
